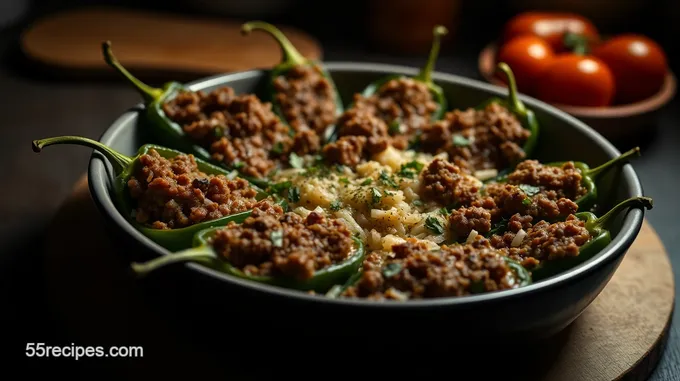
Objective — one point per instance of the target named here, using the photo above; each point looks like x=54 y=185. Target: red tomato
x=639 y=66
x=528 y=56
x=576 y=80
x=551 y=26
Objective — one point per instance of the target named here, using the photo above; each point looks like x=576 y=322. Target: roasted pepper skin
x=202 y=252
x=601 y=237
x=125 y=166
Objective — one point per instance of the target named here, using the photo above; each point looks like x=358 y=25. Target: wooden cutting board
x=153 y=43
x=620 y=336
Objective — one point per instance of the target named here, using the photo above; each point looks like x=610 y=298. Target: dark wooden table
x=33 y=186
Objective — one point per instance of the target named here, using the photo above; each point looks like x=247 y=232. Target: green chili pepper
x=125 y=166
x=525 y=116
x=424 y=76
x=202 y=252
x=291 y=59
x=600 y=238
x=589 y=176
x=162 y=128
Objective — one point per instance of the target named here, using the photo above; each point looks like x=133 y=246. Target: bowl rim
x=487 y=59
x=632 y=222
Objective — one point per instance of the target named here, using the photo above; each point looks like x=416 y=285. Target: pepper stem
x=642 y=202
x=199 y=254
x=513 y=98
x=118 y=159
x=623 y=158
x=148 y=93
x=425 y=74
x=576 y=42
x=291 y=56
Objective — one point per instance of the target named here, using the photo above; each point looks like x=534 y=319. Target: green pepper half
x=601 y=237
x=424 y=76
x=124 y=166
x=202 y=252
x=291 y=59
x=525 y=116
x=161 y=127
x=589 y=176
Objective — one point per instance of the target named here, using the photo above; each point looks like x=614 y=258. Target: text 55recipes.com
x=79 y=351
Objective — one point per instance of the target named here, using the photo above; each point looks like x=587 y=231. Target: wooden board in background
x=147 y=42
x=621 y=336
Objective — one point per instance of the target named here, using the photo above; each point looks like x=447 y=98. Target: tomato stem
x=577 y=43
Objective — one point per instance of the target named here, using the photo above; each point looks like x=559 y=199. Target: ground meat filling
x=306 y=98
x=511 y=199
x=565 y=181
x=174 y=193
x=463 y=221
x=418 y=273
x=360 y=135
x=404 y=104
x=543 y=241
x=484 y=139
x=286 y=245
x=448 y=185
x=237 y=129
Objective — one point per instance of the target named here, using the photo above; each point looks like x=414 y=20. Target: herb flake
x=336 y=205
x=391 y=269
x=295 y=161
x=387 y=180
x=434 y=225
x=375 y=195
x=294 y=194
x=411 y=169
x=368 y=181
x=529 y=190
x=460 y=140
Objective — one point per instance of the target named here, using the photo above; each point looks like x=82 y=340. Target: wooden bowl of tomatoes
x=616 y=85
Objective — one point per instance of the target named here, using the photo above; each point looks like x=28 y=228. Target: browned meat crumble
x=174 y=193
x=447 y=184
x=483 y=139
x=306 y=98
x=418 y=273
x=284 y=244
x=544 y=241
x=238 y=129
x=565 y=181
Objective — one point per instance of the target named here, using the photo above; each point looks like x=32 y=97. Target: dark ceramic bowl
x=536 y=311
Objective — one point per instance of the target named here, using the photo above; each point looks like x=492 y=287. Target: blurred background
x=53 y=83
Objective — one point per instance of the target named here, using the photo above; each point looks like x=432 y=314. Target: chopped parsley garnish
x=460 y=141
x=339 y=168
x=529 y=190
x=277 y=238
x=394 y=127
x=238 y=165
x=387 y=180
x=499 y=228
x=391 y=269
x=343 y=180
x=295 y=160
x=444 y=212
x=375 y=195
x=218 y=132
x=434 y=225
x=280 y=187
x=417 y=203
x=526 y=201
x=410 y=169
x=278 y=148
x=294 y=194
x=336 y=205
x=368 y=181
